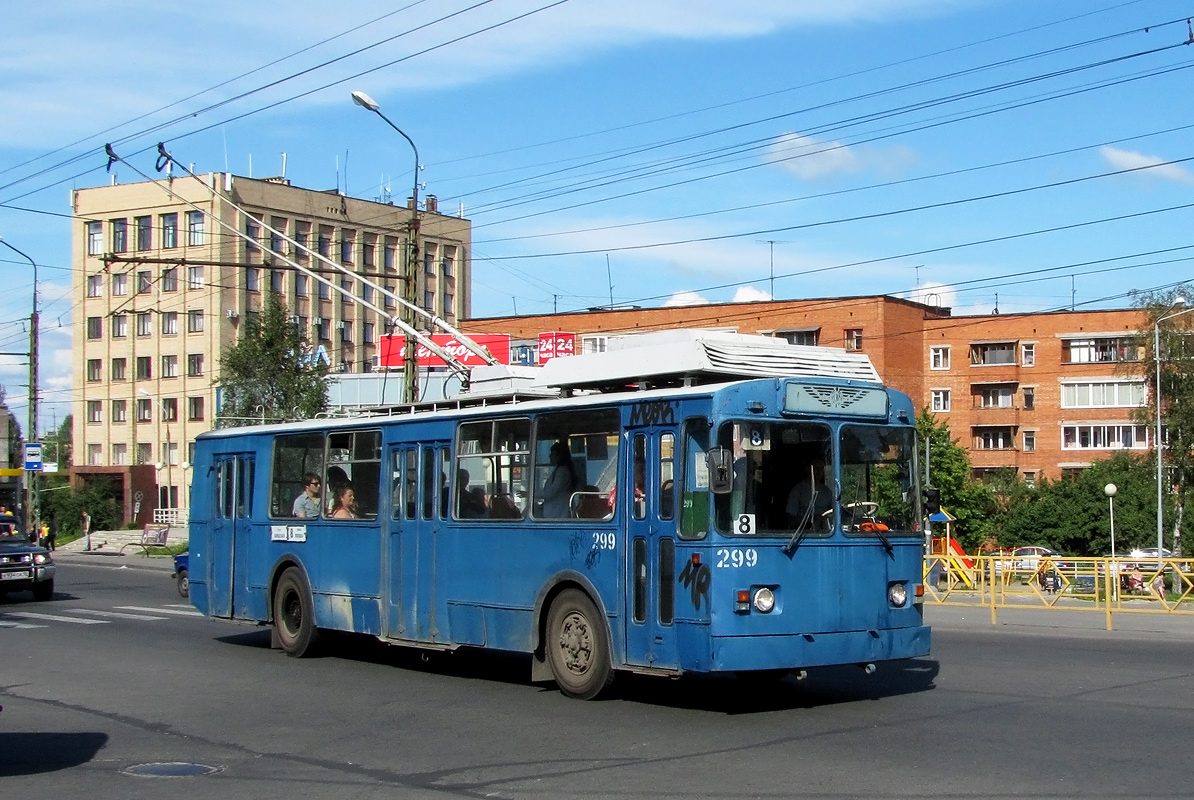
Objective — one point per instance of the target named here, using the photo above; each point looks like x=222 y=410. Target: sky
x=977 y=154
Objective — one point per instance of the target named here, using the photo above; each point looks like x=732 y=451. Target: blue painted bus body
x=446 y=583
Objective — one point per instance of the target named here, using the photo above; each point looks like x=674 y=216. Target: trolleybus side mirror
x=721 y=470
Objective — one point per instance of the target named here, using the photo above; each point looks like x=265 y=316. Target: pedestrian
x=87 y=529
x=52 y=533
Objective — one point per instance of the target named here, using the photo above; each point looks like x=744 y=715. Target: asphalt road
x=1039 y=706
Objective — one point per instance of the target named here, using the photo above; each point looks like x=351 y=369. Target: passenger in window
x=472 y=500
x=344 y=502
x=306 y=505
x=810 y=498
x=561 y=483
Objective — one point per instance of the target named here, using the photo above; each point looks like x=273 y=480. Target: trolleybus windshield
x=877 y=468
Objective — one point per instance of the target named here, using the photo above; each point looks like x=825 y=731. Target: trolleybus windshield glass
x=877 y=465
x=783 y=479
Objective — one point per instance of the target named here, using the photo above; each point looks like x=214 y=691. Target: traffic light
x=932 y=501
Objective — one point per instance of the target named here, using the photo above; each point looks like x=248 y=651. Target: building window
x=95 y=327
x=1029 y=398
x=854 y=339
x=938 y=358
x=120 y=411
x=323 y=330
x=252 y=280
x=941 y=400
x=1100 y=351
x=144 y=368
x=195 y=236
x=346 y=290
x=429 y=300
x=300 y=285
x=194 y=277
x=1028 y=355
x=389 y=254
x=119 y=369
x=195 y=321
x=277 y=281
x=994 y=396
x=985 y=355
x=144 y=226
x=367 y=293
x=448 y=263
x=144 y=409
x=195 y=365
x=95 y=238
x=325 y=241
x=1030 y=480
x=594 y=344
x=348 y=243
x=169 y=409
x=170 y=456
x=1029 y=441
x=120 y=235
x=144 y=323
x=302 y=240
x=253 y=232
x=346 y=331
x=810 y=337
x=391 y=293
x=120 y=454
x=95 y=285
x=1103 y=394
x=144 y=453
x=367 y=332
x=277 y=224
x=94 y=454
x=169 y=230
x=170 y=279
x=1104 y=437
x=300 y=322
x=120 y=284
x=144 y=282
x=169 y=366
x=169 y=323
x=325 y=290
x=368 y=250
x=95 y=369
x=195 y=408
x=120 y=326
x=94 y=411
x=449 y=304
x=993 y=438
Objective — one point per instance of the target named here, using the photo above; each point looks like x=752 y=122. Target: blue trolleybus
x=694 y=521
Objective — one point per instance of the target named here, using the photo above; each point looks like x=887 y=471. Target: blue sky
x=969 y=152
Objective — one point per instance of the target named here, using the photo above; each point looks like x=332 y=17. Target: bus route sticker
x=297 y=533
x=745 y=525
x=278 y=533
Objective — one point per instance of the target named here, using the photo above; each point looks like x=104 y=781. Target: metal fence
x=174 y=517
x=1105 y=585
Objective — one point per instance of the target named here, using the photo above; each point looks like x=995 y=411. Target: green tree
x=1176 y=364
x=961 y=495
x=270 y=373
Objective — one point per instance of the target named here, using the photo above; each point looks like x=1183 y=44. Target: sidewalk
x=116 y=549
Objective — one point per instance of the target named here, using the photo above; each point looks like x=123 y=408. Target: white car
x=1026 y=558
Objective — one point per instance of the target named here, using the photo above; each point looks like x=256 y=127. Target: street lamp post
x=1110 y=490
x=31 y=434
x=1179 y=301
x=410 y=375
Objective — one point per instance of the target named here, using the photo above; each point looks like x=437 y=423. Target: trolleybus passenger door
x=650 y=511
x=230 y=531
x=420 y=496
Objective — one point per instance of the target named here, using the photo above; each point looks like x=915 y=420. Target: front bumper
x=796 y=651
x=23 y=577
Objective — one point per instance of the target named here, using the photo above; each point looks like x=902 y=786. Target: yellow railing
x=1106 y=585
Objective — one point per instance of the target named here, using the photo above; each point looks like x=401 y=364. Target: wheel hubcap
x=576 y=643
x=292 y=613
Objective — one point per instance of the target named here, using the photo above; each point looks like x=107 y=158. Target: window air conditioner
x=340 y=325
x=317 y=321
x=232 y=313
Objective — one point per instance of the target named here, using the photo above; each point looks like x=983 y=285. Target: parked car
x=181 y=572
x=24 y=566
x=1027 y=558
x=1140 y=559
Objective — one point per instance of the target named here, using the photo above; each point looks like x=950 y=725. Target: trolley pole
x=31 y=497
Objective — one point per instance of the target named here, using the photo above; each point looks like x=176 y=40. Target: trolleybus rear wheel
x=578 y=646
x=294 y=614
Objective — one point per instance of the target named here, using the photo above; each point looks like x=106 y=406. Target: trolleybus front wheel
x=578 y=646
x=294 y=614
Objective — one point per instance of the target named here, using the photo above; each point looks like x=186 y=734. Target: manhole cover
x=170 y=769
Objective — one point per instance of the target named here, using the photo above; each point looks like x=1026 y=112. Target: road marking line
x=176 y=611
x=19 y=625
x=115 y=614
x=187 y=606
x=56 y=618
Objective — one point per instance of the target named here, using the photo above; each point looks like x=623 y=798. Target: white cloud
x=1145 y=165
x=685 y=299
x=749 y=294
x=812 y=159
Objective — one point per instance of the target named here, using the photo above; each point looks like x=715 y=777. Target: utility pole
x=31 y=497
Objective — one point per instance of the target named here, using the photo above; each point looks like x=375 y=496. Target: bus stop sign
x=33 y=457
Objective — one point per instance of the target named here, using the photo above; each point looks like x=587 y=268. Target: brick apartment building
x=164 y=281
x=1042 y=393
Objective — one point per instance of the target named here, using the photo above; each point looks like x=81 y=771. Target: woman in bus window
x=344 y=502
x=560 y=484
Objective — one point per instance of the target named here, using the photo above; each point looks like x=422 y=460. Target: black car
x=24 y=566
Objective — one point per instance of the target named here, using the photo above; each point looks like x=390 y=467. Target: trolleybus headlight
x=764 y=600
x=897 y=593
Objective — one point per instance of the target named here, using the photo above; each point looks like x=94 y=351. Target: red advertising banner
x=556 y=344
x=391 y=350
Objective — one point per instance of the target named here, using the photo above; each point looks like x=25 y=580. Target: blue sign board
x=33 y=457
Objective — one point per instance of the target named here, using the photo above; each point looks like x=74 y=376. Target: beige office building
x=165 y=280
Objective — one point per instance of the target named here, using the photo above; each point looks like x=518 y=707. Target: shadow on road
x=25 y=753
x=727 y=694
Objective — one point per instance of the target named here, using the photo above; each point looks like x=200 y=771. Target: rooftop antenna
x=771 y=281
x=995 y=310
x=1073 y=293
x=610 y=278
x=250 y=165
x=283 y=166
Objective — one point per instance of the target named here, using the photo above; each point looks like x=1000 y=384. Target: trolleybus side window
x=492 y=461
x=296 y=482
x=877 y=470
x=639 y=471
x=244 y=488
x=667 y=475
x=404 y=483
x=783 y=479
x=223 y=489
x=694 y=501
x=351 y=486
x=576 y=464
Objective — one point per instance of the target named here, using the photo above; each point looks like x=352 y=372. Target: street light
x=410 y=375
x=1110 y=490
x=1179 y=301
x=31 y=434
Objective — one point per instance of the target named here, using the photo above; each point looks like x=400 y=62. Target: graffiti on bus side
x=696 y=578
x=655 y=412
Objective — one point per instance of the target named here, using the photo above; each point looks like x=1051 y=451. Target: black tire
x=43 y=591
x=183 y=582
x=577 y=646
x=294 y=614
